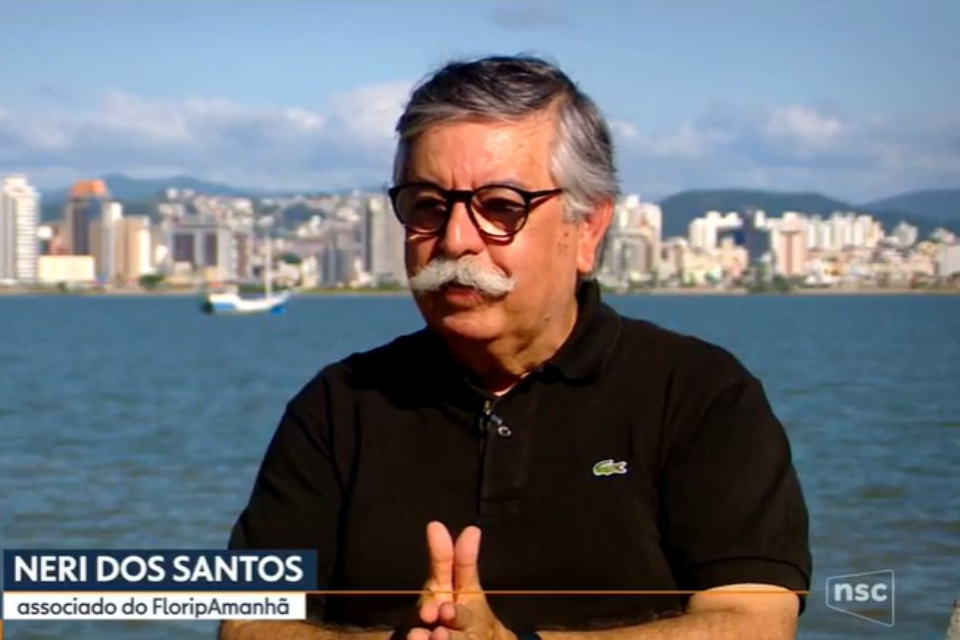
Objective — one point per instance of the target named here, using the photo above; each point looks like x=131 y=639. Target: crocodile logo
x=608 y=468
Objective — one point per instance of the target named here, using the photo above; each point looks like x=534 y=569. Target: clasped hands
x=452 y=605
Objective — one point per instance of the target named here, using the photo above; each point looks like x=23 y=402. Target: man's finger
x=455 y=616
x=466 y=574
x=440 y=633
x=418 y=633
x=447 y=615
x=430 y=611
x=440 y=548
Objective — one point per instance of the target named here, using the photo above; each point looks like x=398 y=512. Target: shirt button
x=504 y=431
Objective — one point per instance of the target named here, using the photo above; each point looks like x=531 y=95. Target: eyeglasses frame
x=453 y=196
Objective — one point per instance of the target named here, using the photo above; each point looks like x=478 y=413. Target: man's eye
x=427 y=203
x=502 y=207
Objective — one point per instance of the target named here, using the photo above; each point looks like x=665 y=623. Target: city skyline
x=354 y=241
x=785 y=96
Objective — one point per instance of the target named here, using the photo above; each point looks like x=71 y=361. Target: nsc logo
x=869 y=596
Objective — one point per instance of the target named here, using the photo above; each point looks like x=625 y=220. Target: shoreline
x=678 y=292
x=892 y=291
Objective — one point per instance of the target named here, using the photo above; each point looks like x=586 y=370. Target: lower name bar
x=154 y=606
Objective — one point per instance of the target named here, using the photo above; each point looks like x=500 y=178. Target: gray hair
x=510 y=88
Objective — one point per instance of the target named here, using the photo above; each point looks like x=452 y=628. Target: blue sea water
x=139 y=422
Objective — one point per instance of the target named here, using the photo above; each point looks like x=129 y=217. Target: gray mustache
x=466 y=272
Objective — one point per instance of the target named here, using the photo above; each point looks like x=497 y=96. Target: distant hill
x=124 y=187
x=51 y=206
x=937 y=204
x=139 y=194
x=925 y=209
x=681 y=208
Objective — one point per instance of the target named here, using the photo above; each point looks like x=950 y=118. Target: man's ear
x=592 y=230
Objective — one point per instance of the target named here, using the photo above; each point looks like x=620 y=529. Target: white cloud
x=369 y=114
x=346 y=144
x=803 y=126
x=685 y=142
x=305 y=120
x=623 y=129
x=794 y=147
x=349 y=142
x=125 y=115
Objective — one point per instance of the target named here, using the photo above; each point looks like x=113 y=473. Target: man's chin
x=479 y=325
x=462 y=312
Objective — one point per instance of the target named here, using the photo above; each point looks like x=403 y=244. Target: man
x=638 y=475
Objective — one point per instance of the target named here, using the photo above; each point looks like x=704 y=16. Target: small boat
x=230 y=303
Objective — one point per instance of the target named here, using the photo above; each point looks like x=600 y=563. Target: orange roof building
x=88 y=189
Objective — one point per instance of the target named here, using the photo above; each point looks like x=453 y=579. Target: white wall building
x=704 y=232
x=66 y=269
x=906 y=235
x=110 y=240
x=383 y=243
x=788 y=242
x=948 y=260
x=19 y=213
x=632 y=252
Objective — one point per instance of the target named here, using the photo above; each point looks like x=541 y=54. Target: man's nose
x=461 y=236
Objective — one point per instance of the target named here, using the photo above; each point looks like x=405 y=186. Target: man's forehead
x=483 y=139
x=540 y=122
x=473 y=161
x=470 y=152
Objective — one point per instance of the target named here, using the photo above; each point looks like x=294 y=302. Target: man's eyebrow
x=507 y=182
x=419 y=180
x=511 y=182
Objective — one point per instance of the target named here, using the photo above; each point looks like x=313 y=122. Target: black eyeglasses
x=498 y=211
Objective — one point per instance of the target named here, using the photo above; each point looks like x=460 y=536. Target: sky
x=857 y=99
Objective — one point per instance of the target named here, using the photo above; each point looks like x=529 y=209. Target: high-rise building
x=948 y=261
x=19 y=207
x=135 y=249
x=650 y=227
x=106 y=240
x=383 y=238
x=788 y=240
x=867 y=231
x=340 y=256
x=87 y=199
x=702 y=231
x=209 y=248
x=671 y=259
x=707 y=231
x=632 y=251
x=905 y=234
x=755 y=237
x=819 y=236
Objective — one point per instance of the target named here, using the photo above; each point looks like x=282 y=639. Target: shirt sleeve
x=732 y=506
x=297 y=493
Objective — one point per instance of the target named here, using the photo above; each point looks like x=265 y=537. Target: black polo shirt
x=635 y=459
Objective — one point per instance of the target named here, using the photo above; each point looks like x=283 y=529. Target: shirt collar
x=582 y=355
x=593 y=337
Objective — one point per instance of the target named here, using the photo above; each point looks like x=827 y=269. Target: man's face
x=543 y=259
